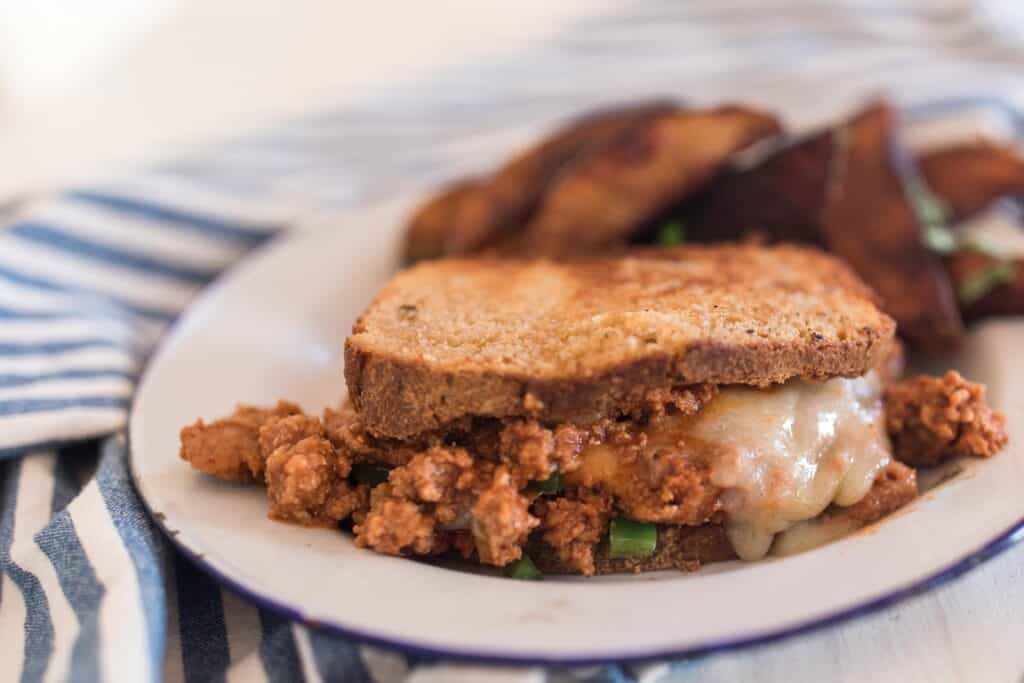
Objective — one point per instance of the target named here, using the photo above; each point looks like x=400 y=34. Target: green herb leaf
x=365 y=473
x=987 y=246
x=627 y=538
x=672 y=233
x=552 y=484
x=523 y=568
x=981 y=283
x=928 y=206
x=933 y=214
x=939 y=239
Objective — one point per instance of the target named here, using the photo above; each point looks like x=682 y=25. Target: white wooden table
x=970 y=630
x=421 y=82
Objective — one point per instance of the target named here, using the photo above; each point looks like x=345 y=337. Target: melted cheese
x=812 y=533
x=781 y=455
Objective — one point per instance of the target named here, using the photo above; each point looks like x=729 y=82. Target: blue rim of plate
x=997 y=545
x=1000 y=543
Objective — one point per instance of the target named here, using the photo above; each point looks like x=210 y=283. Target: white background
x=88 y=86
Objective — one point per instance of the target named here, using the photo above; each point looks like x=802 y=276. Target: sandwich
x=647 y=410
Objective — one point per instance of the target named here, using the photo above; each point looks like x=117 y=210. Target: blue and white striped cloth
x=90 y=278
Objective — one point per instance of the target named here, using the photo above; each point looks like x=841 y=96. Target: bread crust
x=719 y=315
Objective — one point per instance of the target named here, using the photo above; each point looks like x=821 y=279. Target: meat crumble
x=535 y=452
x=306 y=477
x=471 y=489
x=229 y=448
x=933 y=419
x=501 y=521
x=573 y=526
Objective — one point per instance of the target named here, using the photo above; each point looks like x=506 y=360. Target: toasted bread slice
x=577 y=341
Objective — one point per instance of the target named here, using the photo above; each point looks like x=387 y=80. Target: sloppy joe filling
x=764 y=459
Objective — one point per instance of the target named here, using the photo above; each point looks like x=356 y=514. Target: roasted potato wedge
x=969 y=177
x=474 y=213
x=610 y=193
x=780 y=200
x=431 y=232
x=987 y=285
x=843 y=189
x=870 y=222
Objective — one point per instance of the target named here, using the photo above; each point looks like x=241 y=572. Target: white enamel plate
x=275 y=327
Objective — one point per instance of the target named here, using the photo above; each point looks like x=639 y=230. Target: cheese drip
x=787 y=453
x=781 y=455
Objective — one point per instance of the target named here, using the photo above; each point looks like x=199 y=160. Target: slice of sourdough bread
x=577 y=341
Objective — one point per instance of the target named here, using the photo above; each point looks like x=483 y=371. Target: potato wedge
x=969 y=177
x=474 y=213
x=610 y=193
x=431 y=232
x=781 y=199
x=844 y=189
x=870 y=223
x=987 y=285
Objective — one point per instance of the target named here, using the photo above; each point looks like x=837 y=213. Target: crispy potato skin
x=843 y=189
x=611 y=177
x=780 y=199
x=1005 y=299
x=605 y=198
x=478 y=212
x=869 y=222
x=433 y=230
x=971 y=176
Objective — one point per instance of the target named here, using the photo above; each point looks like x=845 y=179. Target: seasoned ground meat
x=932 y=419
x=229 y=448
x=434 y=476
x=573 y=526
x=533 y=452
x=457 y=488
x=394 y=526
x=299 y=477
x=306 y=483
x=686 y=400
x=501 y=521
x=467 y=490
x=438 y=484
x=286 y=449
x=670 y=484
x=346 y=500
x=285 y=431
x=451 y=492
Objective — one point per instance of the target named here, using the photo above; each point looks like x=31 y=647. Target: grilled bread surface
x=577 y=341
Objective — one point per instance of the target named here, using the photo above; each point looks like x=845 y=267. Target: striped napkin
x=90 y=279
x=90 y=590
